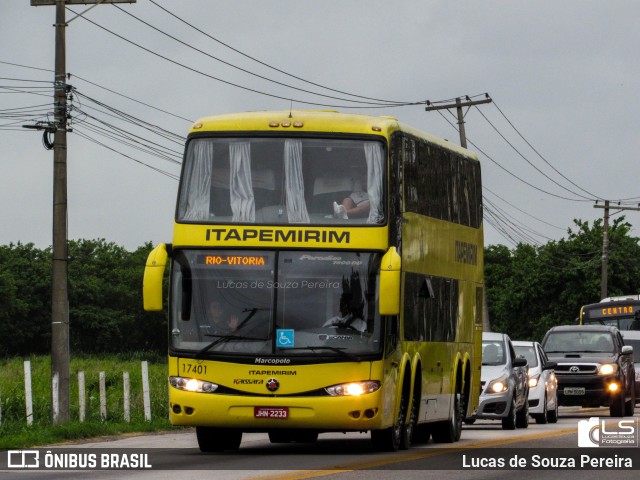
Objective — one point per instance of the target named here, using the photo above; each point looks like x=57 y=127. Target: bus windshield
x=282 y=181
x=291 y=303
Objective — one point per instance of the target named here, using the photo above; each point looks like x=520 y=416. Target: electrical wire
x=530 y=163
x=540 y=155
x=81 y=134
x=511 y=173
x=242 y=87
x=272 y=67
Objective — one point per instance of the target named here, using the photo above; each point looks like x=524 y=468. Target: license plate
x=271 y=412
x=574 y=391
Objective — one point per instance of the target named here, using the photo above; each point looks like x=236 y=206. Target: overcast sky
x=565 y=74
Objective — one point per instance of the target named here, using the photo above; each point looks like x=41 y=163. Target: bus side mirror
x=390 y=283
x=153 y=275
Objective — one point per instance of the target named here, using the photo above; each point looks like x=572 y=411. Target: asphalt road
x=478 y=455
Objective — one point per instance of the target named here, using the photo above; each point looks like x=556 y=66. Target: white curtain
x=243 y=204
x=375 y=165
x=194 y=202
x=294 y=183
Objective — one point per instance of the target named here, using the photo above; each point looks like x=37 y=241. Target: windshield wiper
x=224 y=339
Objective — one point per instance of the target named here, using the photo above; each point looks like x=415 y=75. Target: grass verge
x=16 y=433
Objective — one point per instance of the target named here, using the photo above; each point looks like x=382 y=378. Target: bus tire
x=450 y=430
x=390 y=439
x=212 y=439
x=410 y=424
x=422 y=433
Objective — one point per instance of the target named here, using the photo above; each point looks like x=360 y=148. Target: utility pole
x=458 y=106
x=486 y=324
x=60 y=411
x=604 y=274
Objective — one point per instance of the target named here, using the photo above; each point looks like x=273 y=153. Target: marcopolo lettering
x=276 y=235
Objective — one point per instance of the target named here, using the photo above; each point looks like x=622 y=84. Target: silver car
x=505 y=384
x=543 y=384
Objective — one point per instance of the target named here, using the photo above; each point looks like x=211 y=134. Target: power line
x=243 y=69
x=194 y=70
x=541 y=156
x=511 y=173
x=521 y=211
x=274 y=68
x=529 y=162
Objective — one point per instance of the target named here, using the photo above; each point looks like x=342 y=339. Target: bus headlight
x=607 y=368
x=353 y=389
x=192 y=385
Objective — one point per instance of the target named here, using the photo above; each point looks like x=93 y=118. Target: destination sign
x=234 y=260
x=614 y=311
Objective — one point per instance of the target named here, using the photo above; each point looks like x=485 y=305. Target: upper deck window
x=282 y=181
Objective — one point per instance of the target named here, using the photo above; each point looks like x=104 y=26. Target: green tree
x=530 y=289
x=25 y=303
x=105 y=296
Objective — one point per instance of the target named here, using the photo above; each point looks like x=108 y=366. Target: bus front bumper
x=253 y=413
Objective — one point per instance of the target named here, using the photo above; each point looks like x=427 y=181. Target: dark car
x=594 y=367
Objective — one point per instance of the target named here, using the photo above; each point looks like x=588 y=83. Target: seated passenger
x=355 y=205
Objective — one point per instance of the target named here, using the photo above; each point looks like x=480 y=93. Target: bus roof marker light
x=274 y=124
x=376 y=128
x=286 y=124
x=197 y=125
x=298 y=124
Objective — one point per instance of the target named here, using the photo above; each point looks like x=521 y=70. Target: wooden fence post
x=55 y=399
x=145 y=391
x=82 y=406
x=28 y=400
x=103 y=397
x=127 y=397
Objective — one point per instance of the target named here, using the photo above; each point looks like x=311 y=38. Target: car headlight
x=607 y=368
x=533 y=381
x=353 y=389
x=498 y=385
x=192 y=385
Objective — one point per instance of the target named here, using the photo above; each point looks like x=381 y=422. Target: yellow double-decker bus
x=326 y=275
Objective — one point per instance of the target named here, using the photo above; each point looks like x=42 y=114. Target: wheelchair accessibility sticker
x=284 y=337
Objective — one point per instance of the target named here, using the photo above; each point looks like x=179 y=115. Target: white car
x=632 y=337
x=543 y=385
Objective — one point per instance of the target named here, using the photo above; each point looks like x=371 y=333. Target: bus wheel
x=411 y=422
x=449 y=431
x=389 y=439
x=212 y=439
